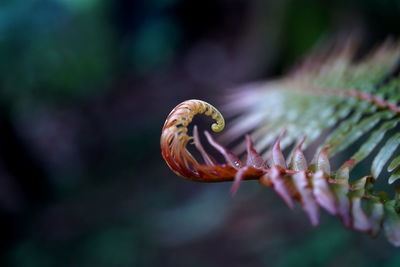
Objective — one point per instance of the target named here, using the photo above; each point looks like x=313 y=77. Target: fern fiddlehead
x=332 y=93
x=174 y=140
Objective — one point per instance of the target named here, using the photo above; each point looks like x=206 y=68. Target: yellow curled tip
x=184 y=112
x=219 y=124
x=209 y=110
x=218 y=127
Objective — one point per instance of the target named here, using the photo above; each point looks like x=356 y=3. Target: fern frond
x=355 y=101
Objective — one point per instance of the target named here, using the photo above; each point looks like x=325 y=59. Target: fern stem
x=379 y=102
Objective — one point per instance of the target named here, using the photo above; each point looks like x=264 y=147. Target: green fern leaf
x=351 y=105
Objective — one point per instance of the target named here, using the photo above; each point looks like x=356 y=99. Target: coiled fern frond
x=355 y=102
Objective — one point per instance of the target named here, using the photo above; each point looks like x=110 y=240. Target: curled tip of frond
x=174 y=139
x=219 y=126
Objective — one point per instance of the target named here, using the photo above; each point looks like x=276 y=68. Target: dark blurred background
x=85 y=87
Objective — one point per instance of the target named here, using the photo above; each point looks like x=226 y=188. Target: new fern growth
x=354 y=101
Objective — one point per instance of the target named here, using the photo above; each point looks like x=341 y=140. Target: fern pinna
x=330 y=97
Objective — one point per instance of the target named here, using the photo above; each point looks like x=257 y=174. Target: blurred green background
x=85 y=87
